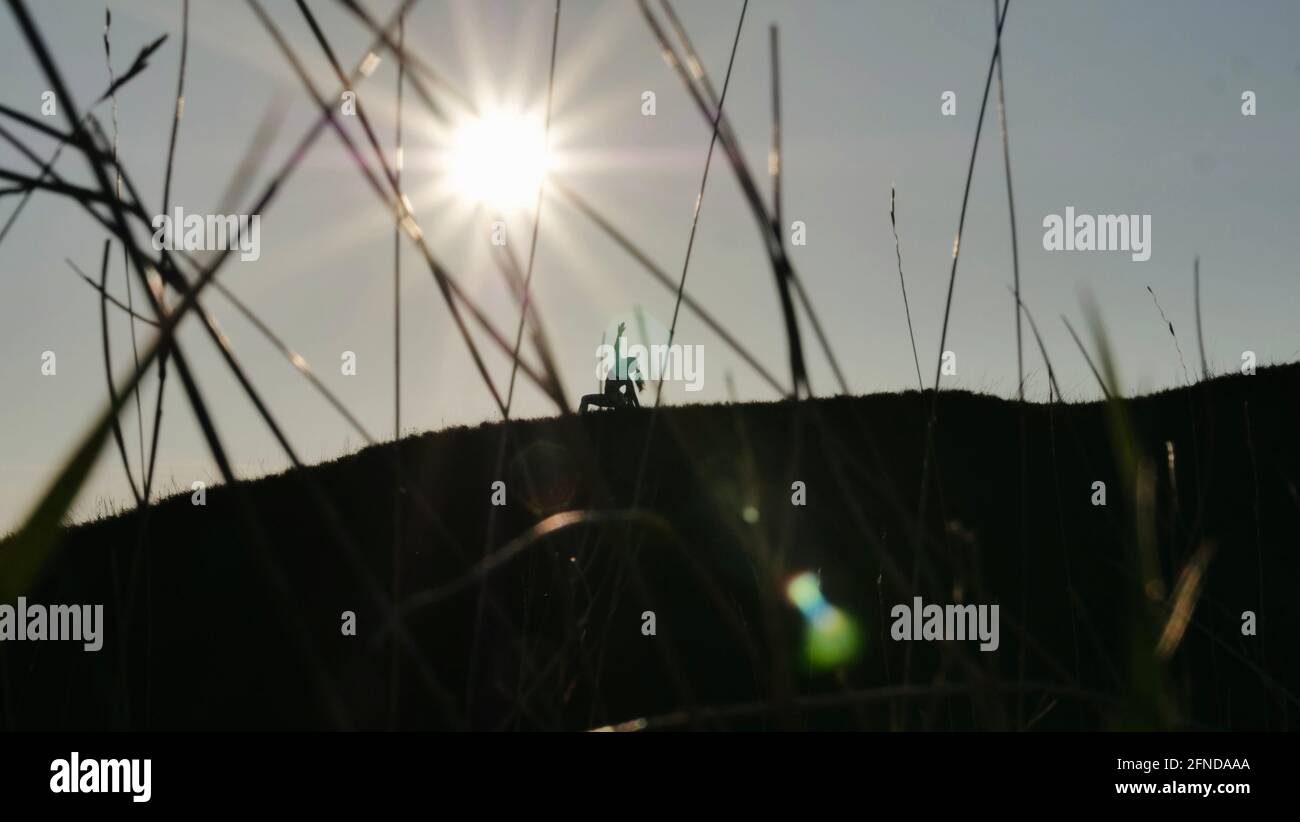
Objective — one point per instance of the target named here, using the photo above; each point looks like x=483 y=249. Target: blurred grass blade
x=1186 y=593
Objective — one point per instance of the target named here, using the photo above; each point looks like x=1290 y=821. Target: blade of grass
x=1200 y=337
x=714 y=114
x=126 y=266
x=1101 y=383
x=114 y=300
x=394 y=662
x=902 y=284
x=108 y=370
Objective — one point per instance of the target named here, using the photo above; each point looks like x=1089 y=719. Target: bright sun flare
x=498 y=160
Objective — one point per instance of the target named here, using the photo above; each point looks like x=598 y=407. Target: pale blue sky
x=1114 y=107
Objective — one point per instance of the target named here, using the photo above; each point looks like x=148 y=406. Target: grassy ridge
x=206 y=630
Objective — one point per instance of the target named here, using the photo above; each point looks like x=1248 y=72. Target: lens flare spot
x=805 y=594
x=831 y=639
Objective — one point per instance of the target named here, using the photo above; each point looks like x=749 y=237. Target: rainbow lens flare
x=831 y=639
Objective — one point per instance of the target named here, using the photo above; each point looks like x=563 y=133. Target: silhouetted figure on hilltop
x=622 y=382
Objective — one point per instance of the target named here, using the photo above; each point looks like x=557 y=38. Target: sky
x=1112 y=108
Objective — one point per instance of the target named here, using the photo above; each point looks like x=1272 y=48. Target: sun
x=498 y=160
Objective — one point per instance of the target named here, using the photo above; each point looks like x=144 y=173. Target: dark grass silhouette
x=561 y=643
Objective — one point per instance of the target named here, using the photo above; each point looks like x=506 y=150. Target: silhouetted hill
x=221 y=620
